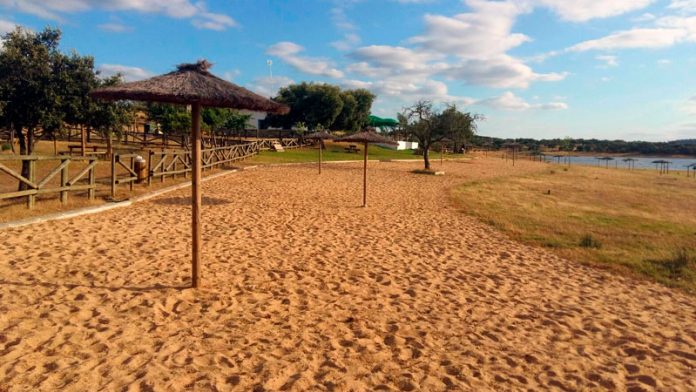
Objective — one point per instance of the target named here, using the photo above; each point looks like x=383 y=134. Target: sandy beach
x=305 y=290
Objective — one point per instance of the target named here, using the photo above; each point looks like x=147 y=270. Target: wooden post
x=64 y=178
x=365 y=178
x=442 y=155
x=114 y=159
x=83 y=142
x=196 y=197
x=320 y=144
x=31 y=199
x=132 y=167
x=149 y=167
x=92 y=179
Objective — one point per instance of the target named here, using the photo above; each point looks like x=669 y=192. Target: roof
x=191 y=83
x=366 y=136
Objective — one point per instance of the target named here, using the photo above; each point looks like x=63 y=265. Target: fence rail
x=169 y=163
x=34 y=187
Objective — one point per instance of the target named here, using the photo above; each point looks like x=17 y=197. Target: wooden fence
x=36 y=187
x=126 y=163
x=124 y=171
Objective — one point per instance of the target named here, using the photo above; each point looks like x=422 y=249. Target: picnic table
x=352 y=148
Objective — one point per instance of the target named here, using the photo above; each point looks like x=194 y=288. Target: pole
x=365 y=178
x=320 y=143
x=442 y=155
x=83 y=142
x=196 y=196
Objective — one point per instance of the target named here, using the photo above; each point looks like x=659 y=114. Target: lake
x=638 y=163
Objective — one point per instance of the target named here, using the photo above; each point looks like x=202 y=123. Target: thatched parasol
x=366 y=137
x=192 y=84
x=321 y=136
x=514 y=146
x=663 y=165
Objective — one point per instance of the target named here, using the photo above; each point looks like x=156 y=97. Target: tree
x=172 y=119
x=422 y=122
x=30 y=65
x=109 y=118
x=356 y=110
x=458 y=126
x=310 y=103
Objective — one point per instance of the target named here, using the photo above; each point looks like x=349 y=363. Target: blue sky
x=534 y=68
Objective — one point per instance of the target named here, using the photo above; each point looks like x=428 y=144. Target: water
x=638 y=163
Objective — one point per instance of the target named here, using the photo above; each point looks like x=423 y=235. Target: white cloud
x=289 y=52
x=6 y=26
x=269 y=86
x=608 y=60
x=230 y=75
x=343 y=23
x=632 y=39
x=212 y=21
x=665 y=32
x=482 y=33
x=686 y=6
x=664 y=62
x=584 y=10
x=646 y=17
x=605 y=79
x=471 y=47
x=115 y=27
x=509 y=101
x=349 y=41
x=129 y=73
x=179 y=9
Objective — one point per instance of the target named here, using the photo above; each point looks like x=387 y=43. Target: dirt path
x=305 y=290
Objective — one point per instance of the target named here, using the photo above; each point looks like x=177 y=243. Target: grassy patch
x=628 y=220
x=333 y=152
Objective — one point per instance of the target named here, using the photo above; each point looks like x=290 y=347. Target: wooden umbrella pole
x=196 y=196
x=365 y=178
x=320 y=143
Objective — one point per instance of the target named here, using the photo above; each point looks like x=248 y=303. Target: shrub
x=677 y=263
x=5 y=147
x=587 y=241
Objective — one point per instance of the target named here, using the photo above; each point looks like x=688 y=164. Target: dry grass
x=635 y=220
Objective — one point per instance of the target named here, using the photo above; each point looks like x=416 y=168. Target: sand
x=305 y=290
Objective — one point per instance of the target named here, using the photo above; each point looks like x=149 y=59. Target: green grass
x=333 y=152
x=625 y=220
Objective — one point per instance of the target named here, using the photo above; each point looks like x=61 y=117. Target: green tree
x=172 y=119
x=109 y=118
x=424 y=123
x=30 y=66
x=458 y=126
x=310 y=103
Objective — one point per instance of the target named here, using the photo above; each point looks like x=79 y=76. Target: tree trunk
x=26 y=147
x=12 y=140
x=426 y=156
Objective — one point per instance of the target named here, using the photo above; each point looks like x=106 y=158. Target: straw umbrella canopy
x=366 y=137
x=322 y=135
x=192 y=84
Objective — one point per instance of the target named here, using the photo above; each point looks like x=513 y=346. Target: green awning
x=382 y=122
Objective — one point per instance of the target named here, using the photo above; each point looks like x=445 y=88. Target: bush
x=587 y=241
x=676 y=264
x=5 y=147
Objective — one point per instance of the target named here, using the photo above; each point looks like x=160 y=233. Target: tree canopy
x=423 y=122
x=323 y=104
